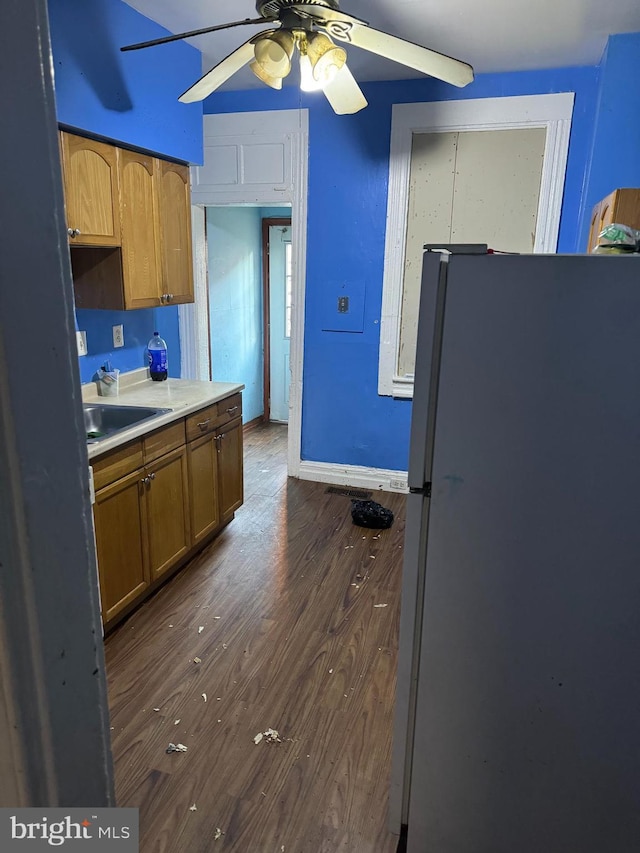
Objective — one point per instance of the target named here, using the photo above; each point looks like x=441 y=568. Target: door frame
x=267 y=222
x=290 y=129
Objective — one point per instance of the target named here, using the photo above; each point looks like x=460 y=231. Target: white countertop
x=182 y=396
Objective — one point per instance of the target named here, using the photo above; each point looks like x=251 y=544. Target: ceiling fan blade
x=412 y=55
x=219 y=74
x=344 y=94
x=166 y=39
x=345 y=28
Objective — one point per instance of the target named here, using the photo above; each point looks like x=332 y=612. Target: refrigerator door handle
x=421 y=490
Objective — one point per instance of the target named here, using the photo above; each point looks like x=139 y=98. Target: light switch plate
x=81 y=342
x=118 y=336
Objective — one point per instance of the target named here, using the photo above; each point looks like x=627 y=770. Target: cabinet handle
x=78 y=232
x=218 y=441
x=152 y=476
x=145 y=481
x=204 y=424
x=71 y=232
x=232 y=410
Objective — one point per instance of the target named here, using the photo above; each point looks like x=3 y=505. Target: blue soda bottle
x=157 y=358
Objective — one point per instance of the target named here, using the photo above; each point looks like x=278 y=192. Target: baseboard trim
x=250 y=425
x=354 y=475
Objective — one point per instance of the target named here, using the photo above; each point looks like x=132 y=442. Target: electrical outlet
x=400 y=485
x=81 y=342
x=118 y=336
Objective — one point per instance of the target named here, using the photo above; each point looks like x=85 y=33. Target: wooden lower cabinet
x=203 y=486
x=229 y=447
x=150 y=520
x=167 y=497
x=120 y=518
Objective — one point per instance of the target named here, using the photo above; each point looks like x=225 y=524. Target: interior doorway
x=249 y=305
x=277 y=277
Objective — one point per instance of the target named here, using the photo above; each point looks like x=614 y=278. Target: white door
x=279 y=320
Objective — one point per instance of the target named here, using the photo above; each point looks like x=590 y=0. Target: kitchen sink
x=102 y=421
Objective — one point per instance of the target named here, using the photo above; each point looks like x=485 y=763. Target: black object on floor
x=371 y=514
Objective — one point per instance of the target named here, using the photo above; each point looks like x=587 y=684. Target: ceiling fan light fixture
x=326 y=58
x=308 y=82
x=273 y=52
x=261 y=74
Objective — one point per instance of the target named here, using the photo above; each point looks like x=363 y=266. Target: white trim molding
x=195 y=356
x=288 y=129
x=552 y=112
x=374 y=479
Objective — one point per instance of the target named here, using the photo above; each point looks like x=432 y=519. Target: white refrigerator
x=517 y=723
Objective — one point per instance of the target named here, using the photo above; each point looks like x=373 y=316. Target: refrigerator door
x=427 y=367
x=422 y=421
x=526 y=732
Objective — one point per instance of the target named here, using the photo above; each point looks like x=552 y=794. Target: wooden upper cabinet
x=174 y=213
x=621 y=206
x=140 y=231
x=129 y=216
x=90 y=170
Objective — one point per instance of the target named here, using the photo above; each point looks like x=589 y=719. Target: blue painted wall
x=234 y=247
x=139 y=326
x=614 y=160
x=130 y=98
x=344 y=419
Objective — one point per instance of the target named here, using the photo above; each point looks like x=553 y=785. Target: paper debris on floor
x=204 y=696
x=176 y=747
x=156 y=709
x=218 y=835
x=380 y=605
x=330 y=672
x=193 y=808
x=197 y=660
x=176 y=722
x=269 y=736
x=200 y=629
x=225 y=646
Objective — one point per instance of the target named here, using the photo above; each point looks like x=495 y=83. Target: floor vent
x=349 y=493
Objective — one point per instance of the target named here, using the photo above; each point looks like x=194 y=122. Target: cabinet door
x=120 y=524
x=230 y=473
x=203 y=486
x=140 y=234
x=90 y=171
x=167 y=510
x=174 y=216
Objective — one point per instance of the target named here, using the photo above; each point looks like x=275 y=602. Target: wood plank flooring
x=280 y=610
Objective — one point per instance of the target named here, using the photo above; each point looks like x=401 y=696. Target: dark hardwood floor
x=280 y=609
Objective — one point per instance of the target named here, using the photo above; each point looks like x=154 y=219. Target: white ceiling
x=492 y=35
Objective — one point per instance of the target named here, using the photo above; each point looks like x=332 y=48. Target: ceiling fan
x=309 y=27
